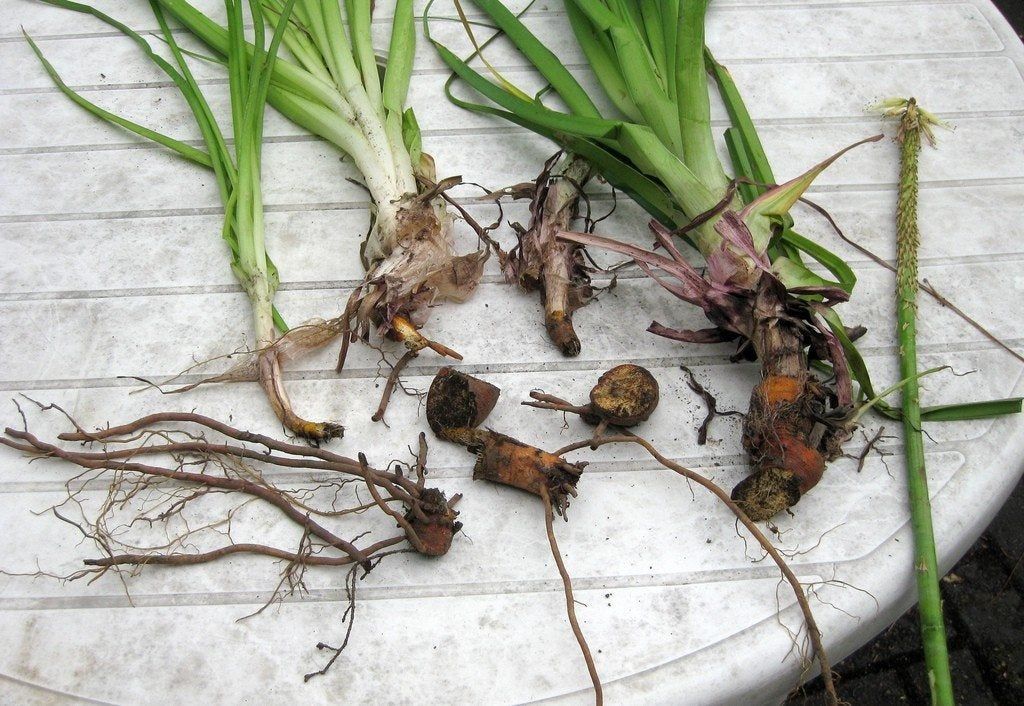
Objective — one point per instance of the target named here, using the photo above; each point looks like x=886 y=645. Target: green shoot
x=239 y=182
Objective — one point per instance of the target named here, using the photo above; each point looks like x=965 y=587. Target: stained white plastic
x=112 y=265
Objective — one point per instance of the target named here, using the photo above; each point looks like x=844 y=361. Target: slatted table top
x=112 y=266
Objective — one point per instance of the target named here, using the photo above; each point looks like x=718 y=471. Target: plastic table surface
x=112 y=265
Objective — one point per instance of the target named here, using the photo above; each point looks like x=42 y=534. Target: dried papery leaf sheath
x=541 y=262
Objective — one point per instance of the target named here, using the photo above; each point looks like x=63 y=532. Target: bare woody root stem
x=561 y=258
x=543 y=262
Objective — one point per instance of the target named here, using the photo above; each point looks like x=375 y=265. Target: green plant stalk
x=340 y=112
x=933 y=631
x=239 y=183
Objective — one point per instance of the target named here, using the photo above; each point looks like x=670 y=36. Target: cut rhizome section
x=540 y=261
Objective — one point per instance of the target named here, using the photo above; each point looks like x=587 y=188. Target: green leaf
x=400 y=59
x=858 y=368
x=972 y=410
x=761 y=170
x=618 y=171
x=778 y=200
x=832 y=262
x=602 y=62
x=741 y=164
x=794 y=274
x=542 y=58
x=411 y=135
x=529 y=110
x=185 y=150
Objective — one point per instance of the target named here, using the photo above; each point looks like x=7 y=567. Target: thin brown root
x=442 y=349
x=545 y=401
x=141 y=497
x=570 y=602
x=812 y=627
x=346 y=327
x=348 y=617
x=870 y=445
x=389 y=386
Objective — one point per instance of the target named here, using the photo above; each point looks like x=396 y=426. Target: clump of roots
x=165 y=483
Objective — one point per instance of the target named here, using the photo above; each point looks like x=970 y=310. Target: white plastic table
x=112 y=265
